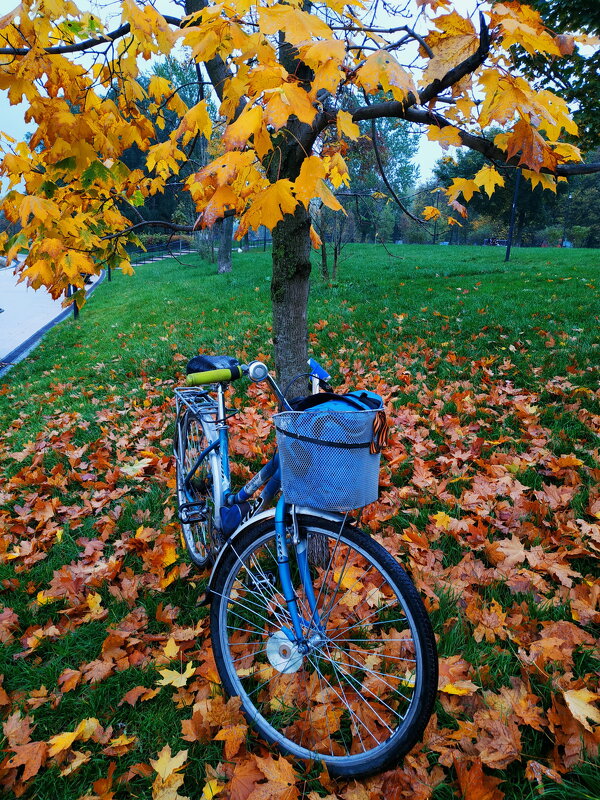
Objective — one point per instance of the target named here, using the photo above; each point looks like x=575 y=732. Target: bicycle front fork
x=283 y=563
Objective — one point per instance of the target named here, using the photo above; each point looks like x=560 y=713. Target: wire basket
x=325 y=458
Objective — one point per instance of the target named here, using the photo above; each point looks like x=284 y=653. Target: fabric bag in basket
x=329 y=450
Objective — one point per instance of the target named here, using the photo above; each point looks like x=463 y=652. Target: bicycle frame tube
x=223 y=428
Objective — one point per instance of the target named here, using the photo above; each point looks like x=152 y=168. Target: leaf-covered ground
x=490 y=498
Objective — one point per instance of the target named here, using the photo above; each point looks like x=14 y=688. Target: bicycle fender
x=269 y=514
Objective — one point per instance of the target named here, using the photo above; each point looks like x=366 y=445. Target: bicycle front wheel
x=194 y=488
x=358 y=690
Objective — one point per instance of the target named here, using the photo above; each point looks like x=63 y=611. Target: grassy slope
x=425 y=312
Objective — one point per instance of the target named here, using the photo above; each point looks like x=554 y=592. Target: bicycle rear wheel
x=358 y=691
x=194 y=495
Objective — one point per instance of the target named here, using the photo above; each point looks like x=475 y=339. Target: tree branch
x=87 y=44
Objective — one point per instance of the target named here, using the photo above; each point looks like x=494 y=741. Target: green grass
x=435 y=322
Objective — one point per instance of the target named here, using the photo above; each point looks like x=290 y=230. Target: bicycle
x=314 y=625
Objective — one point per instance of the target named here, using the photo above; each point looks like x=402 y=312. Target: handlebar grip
x=213 y=376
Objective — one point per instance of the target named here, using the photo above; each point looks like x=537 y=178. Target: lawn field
x=490 y=497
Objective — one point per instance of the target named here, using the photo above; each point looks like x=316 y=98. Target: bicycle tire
x=197 y=535
x=329 y=700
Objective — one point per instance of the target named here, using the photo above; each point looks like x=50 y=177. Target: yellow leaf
x=455 y=40
x=171 y=677
x=463 y=186
x=345 y=125
x=136 y=468
x=288 y=99
x=431 y=212
x=94 y=601
x=37 y=207
x=382 y=69
x=269 y=206
x=488 y=178
x=441 y=519
x=196 y=120
x=171 y=649
x=159 y=87
x=309 y=184
x=541 y=179
x=579 y=703
x=42 y=598
x=299 y=26
x=460 y=688
x=212 y=788
x=454 y=221
x=444 y=136
x=165 y=765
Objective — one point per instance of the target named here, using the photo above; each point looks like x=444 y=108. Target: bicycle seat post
x=221 y=412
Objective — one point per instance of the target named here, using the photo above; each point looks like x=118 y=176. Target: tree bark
x=225 y=233
x=289 y=295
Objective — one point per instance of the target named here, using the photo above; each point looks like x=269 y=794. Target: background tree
x=279 y=72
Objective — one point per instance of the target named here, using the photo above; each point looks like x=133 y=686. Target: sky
x=12 y=117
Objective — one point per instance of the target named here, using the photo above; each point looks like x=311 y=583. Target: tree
x=577 y=78
x=278 y=71
x=490 y=216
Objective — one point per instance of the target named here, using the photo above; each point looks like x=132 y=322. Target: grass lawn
x=490 y=498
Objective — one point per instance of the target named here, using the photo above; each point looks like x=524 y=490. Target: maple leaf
x=579 y=702
x=171 y=677
x=166 y=764
x=431 y=212
x=488 y=178
x=310 y=184
x=245 y=776
x=299 y=26
x=442 y=520
x=380 y=69
x=345 y=125
x=233 y=736
x=454 y=40
x=474 y=783
x=268 y=207
x=32 y=756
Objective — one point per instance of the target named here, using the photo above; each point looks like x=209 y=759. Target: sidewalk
x=27 y=314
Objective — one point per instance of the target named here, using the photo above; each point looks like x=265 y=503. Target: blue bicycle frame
x=269 y=477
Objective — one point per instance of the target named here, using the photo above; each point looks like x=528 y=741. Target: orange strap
x=380 y=433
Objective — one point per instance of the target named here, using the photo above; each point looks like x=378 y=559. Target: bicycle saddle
x=204 y=363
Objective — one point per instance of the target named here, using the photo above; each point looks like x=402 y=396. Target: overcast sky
x=13 y=123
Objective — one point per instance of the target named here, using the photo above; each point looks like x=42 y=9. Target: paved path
x=27 y=314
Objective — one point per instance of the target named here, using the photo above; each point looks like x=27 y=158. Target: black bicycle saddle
x=205 y=363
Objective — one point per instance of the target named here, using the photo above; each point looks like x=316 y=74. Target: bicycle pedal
x=192 y=512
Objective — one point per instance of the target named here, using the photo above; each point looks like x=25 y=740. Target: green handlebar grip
x=212 y=376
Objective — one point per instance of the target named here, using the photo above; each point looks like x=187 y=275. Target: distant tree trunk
x=289 y=295
x=225 y=233
x=324 y=265
x=336 y=258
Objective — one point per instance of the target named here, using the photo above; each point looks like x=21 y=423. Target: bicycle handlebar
x=213 y=376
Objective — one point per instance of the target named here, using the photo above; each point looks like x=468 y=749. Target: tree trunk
x=336 y=256
x=225 y=233
x=289 y=295
x=324 y=266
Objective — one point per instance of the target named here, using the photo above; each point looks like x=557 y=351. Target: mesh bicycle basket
x=325 y=456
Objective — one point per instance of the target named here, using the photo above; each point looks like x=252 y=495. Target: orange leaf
x=233 y=737
x=32 y=756
x=474 y=783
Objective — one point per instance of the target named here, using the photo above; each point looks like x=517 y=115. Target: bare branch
x=79 y=47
